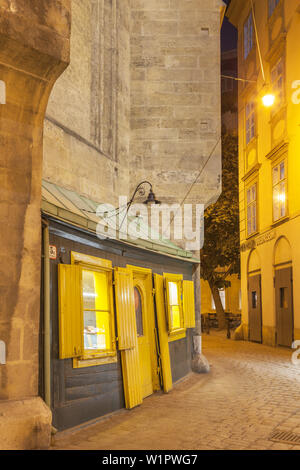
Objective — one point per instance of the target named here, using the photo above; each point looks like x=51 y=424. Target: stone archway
x=35 y=50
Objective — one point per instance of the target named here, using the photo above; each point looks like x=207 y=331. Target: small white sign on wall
x=2 y=92
x=2 y=353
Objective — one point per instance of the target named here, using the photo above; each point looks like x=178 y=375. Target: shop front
x=120 y=316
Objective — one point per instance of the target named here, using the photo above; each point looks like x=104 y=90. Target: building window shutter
x=167 y=307
x=70 y=311
x=127 y=337
x=163 y=333
x=189 y=304
x=125 y=310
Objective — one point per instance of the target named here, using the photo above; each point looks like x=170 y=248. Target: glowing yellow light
x=268 y=100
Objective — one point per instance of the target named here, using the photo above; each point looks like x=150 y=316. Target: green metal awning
x=73 y=208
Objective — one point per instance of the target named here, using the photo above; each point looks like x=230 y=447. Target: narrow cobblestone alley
x=250 y=391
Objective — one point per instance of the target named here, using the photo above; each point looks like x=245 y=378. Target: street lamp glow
x=268 y=100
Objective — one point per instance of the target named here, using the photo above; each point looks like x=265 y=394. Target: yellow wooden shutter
x=131 y=377
x=176 y=278
x=167 y=307
x=127 y=337
x=163 y=333
x=125 y=309
x=70 y=311
x=189 y=304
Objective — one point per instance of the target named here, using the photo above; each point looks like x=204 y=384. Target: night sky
x=229 y=35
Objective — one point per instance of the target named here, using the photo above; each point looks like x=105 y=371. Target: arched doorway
x=283 y=283
x=254 y=297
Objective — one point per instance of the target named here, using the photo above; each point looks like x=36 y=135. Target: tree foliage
x=220 y=255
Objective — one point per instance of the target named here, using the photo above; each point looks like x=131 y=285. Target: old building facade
x=269 y=169
x=139 y=101
x=231 y=294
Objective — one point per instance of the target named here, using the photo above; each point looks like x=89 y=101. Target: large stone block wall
x=140 y=100
x=175 y=97
x=87 y=126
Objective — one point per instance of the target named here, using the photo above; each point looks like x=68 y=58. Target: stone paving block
x=236 y=407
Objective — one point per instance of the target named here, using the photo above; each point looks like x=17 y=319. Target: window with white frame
x=252 y=209
x=248 y=35
x=279 y=191
x=250 y=121
x=277 y=80
x=272 y=5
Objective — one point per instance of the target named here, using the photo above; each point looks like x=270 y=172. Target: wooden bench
x=210 y=320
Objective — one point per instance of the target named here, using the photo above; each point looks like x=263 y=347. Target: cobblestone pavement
x=250 y=391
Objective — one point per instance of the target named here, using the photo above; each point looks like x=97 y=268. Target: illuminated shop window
x=96 y=312
x=174 y=303
x=86 y=311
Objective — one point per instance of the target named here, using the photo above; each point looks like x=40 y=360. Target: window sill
x=177 y=334
x=281 y=221
x=253 y=235
x=95 y=361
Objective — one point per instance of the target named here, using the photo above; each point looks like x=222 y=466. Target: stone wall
x=175 y=97
x=87 y=126
x=34 y=50
x=140 y=100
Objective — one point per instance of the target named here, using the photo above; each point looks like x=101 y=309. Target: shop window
x=96 y=313
x=251 y=198
x=248 y=36
x=279 y=191
x=174 y=305
x=180 y=305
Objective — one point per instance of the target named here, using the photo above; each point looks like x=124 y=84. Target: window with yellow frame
x=97 y=313
x=90 y=308
x=175 y=314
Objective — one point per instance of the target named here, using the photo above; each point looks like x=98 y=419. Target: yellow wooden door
x=127 y=337
x=163 y=333
x=143 y=336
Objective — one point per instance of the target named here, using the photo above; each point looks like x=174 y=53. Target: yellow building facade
x=269 y=168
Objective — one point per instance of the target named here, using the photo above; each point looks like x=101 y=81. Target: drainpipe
x=199 y=362
x=47 y=389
